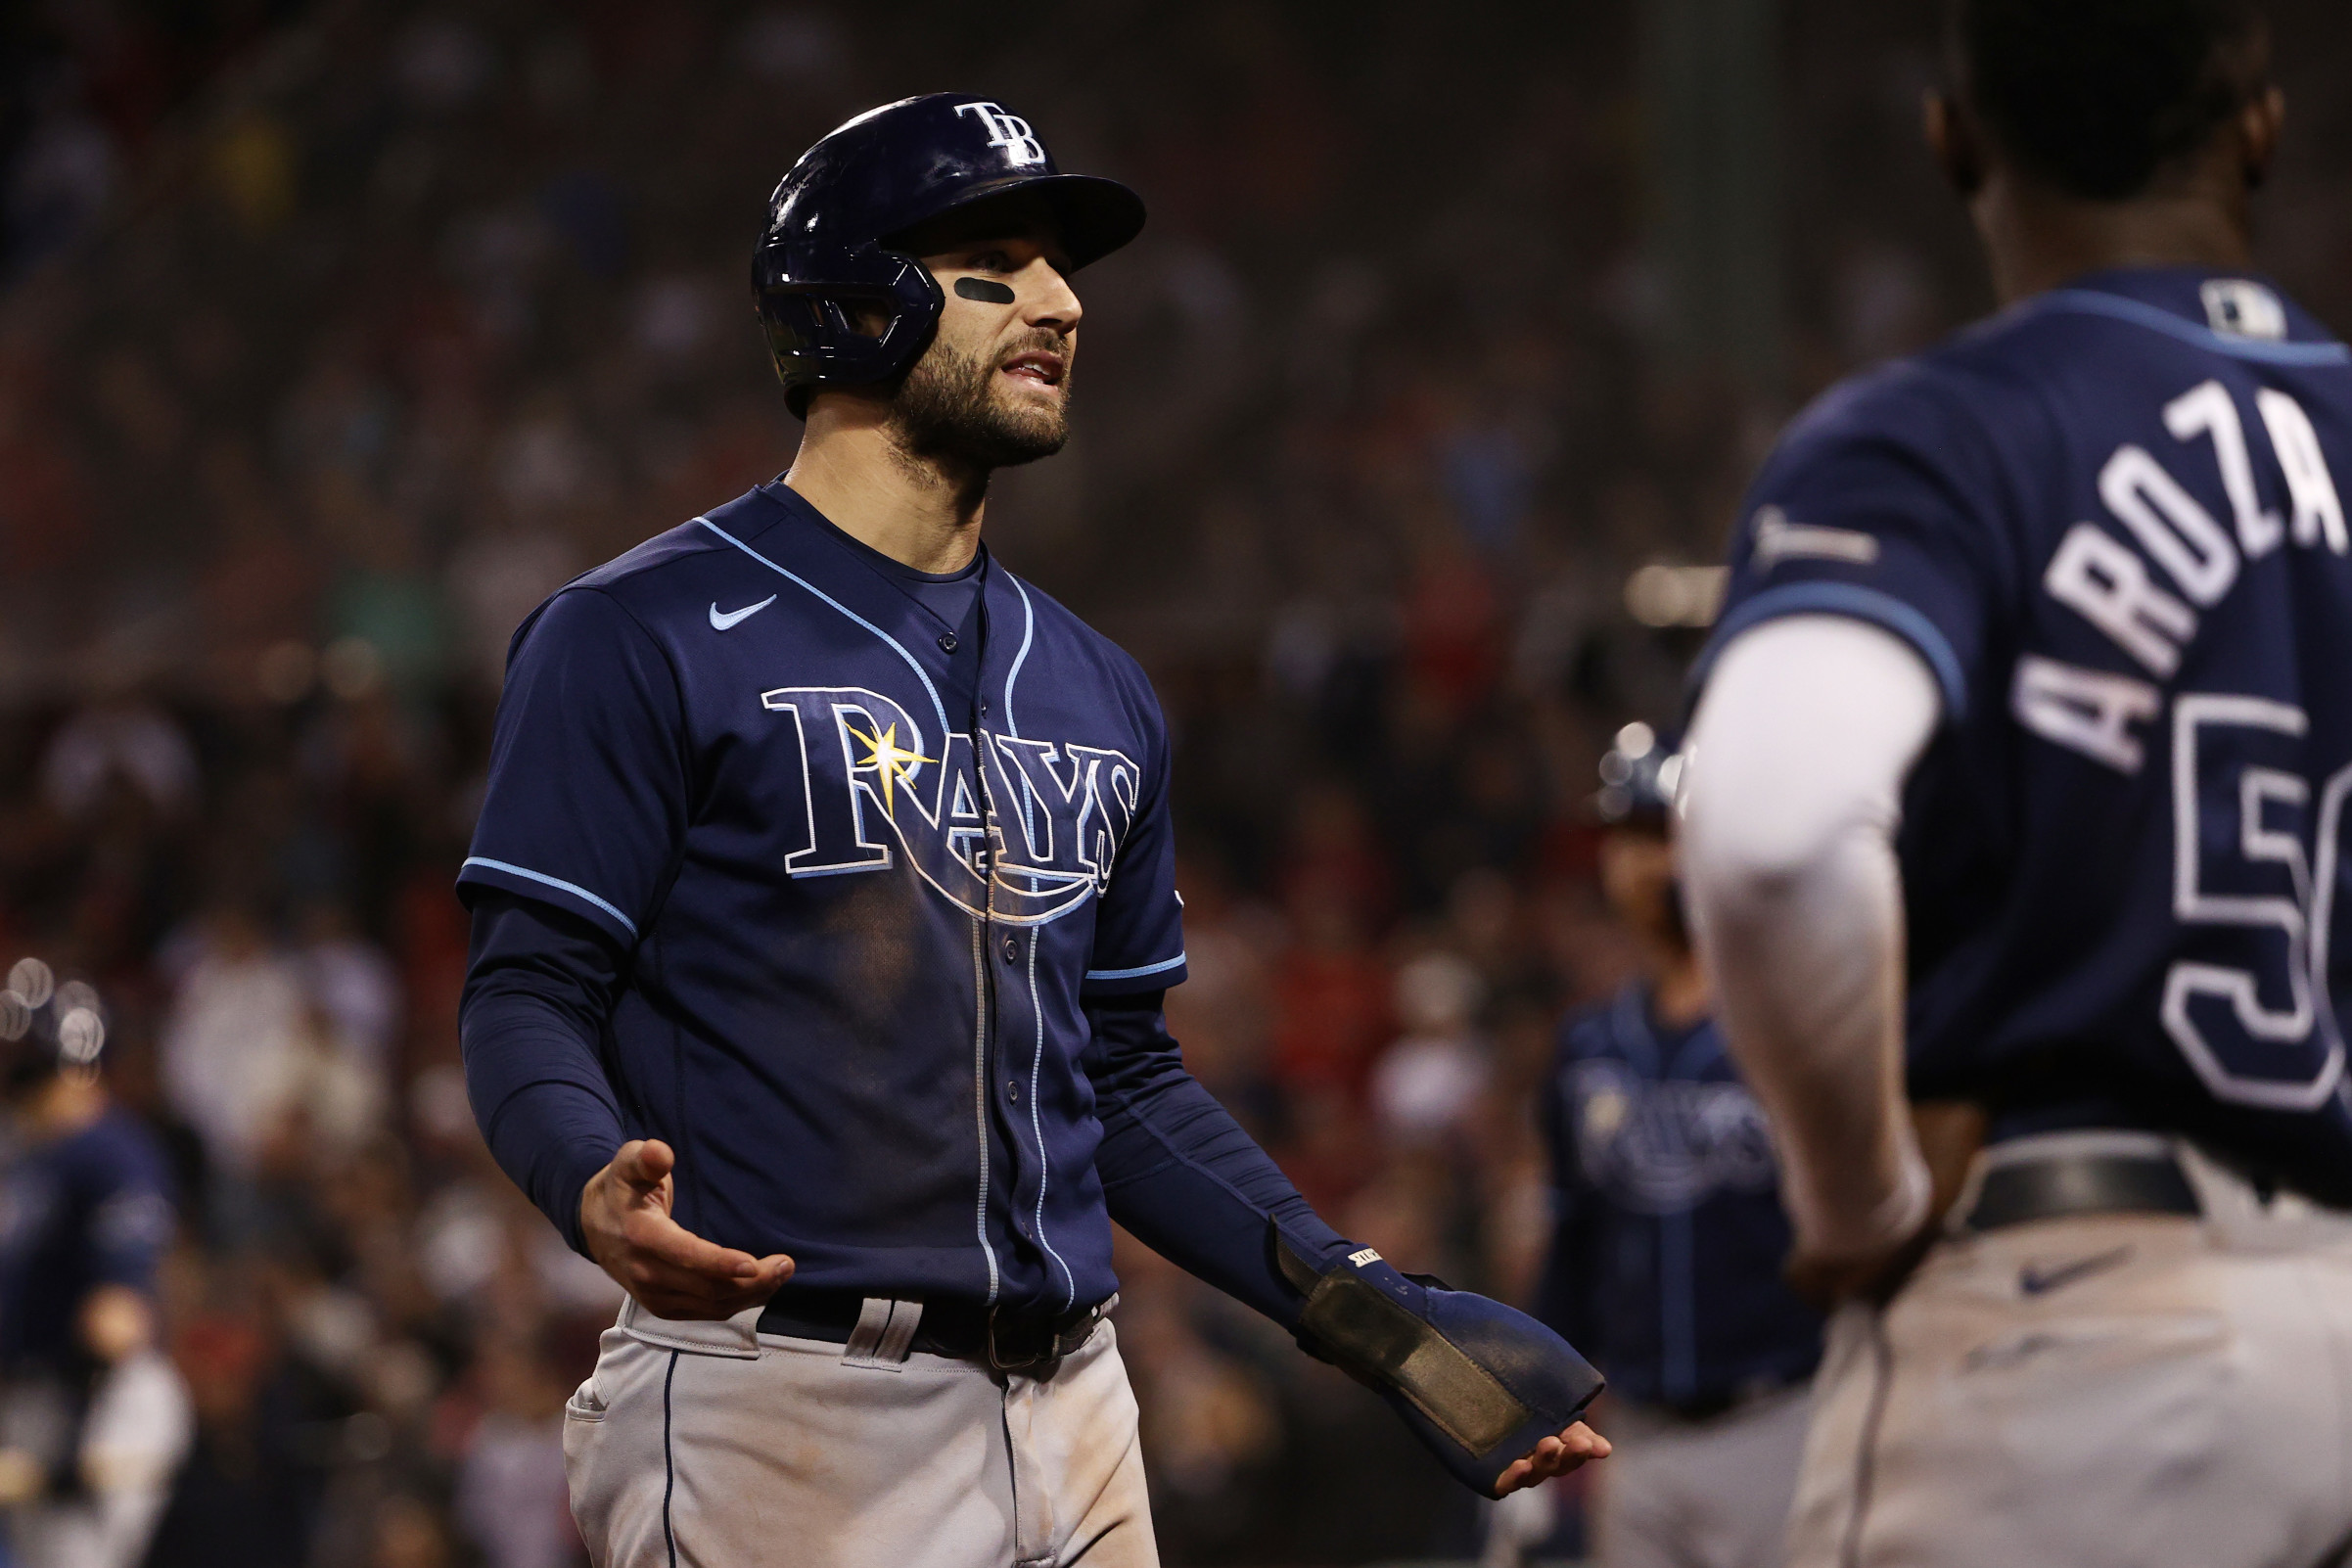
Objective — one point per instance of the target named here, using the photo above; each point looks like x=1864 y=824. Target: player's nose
x=1047 y=300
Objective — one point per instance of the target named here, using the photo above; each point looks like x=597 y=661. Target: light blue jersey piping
x=1029 y=626
x=541 y=877
x=979 y=1094
x=1159 y=968
x=937 y=706
x=1036 y=1131
x=2090 y=302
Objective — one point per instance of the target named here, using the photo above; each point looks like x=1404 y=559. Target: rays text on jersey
x=1029 y=840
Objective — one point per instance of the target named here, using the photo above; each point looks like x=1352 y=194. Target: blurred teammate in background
x=93 y=1417
x=2029 y=709
x=1670 y=1237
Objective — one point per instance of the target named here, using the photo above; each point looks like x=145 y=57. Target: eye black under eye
x=988 y=291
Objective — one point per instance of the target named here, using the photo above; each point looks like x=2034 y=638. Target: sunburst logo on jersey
x=894 y=764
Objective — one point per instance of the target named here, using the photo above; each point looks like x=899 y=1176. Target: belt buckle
x=997 y=1358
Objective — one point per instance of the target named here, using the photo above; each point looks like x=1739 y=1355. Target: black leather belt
x=1008 y=1341
x=2060 y=1185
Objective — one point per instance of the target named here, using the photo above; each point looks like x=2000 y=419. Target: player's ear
x=2259 y=124
x=1954 y=141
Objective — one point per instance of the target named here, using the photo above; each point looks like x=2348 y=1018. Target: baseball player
x=93 y=1417
x=822 y=910
x=2025 y=742
x=1665 y=1263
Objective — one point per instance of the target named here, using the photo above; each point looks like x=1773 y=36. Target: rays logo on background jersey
x=1663 y=1148
x=1061 y=811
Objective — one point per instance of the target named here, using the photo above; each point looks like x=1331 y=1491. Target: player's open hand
x=1554 y=1456
x=625 y=1214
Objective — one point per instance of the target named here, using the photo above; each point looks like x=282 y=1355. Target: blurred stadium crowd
x=337 y=335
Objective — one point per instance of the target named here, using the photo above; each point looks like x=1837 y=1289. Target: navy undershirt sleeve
x=540 y=982
x=1180 y=1172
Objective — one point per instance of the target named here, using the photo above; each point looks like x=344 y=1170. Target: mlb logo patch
x=2244 y=309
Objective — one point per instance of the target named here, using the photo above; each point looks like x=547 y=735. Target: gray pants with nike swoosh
x=715 y=1446
x=2117 y=1391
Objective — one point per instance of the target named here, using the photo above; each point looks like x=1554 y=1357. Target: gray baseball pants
x=715 y=1446
x=2114 y=1391
x=1711 y=1494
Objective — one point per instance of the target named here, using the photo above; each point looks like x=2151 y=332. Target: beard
x=948 y=409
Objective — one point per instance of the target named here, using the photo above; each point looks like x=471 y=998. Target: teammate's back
x=2109 y=521
x=2015 y=791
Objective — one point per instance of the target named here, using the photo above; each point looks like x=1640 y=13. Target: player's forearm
x=1798 y=756
x=1180 y=1174
x=549 y=1133
x=539 y=1092
x=1810 y=989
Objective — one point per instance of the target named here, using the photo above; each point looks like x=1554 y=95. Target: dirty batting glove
x=1479 y=1383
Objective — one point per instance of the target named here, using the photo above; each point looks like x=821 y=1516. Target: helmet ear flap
x=811 y=305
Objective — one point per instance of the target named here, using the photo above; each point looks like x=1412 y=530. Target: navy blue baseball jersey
x=2109 y=522
x=1665 y=1264
x=92 y=1207
x=867 y=840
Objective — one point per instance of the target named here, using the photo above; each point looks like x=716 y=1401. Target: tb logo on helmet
x=1008 y=131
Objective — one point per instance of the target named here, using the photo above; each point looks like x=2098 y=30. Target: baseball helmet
x=1638 y=777
x=46 y=1026
x=827 y=249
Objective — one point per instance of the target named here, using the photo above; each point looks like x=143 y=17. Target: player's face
x=1638 y=874
x=994 y=387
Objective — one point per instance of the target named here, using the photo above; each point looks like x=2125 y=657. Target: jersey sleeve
x=1879 y=505
x=587 y=800
x=1139 y=923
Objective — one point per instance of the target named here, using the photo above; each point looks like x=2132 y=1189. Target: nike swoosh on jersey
x=719 y=623
x=2036 y=1280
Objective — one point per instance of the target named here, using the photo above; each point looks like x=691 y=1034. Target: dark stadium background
x=332 y=336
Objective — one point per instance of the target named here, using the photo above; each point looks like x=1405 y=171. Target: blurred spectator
x=354 y=983
x=511 y=1500
x=235 y=1034
x=123 y=740
x=241 y=1500
x=1430 y=1079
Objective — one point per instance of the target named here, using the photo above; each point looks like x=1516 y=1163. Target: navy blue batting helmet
x=1638 y=778
x=827 y=252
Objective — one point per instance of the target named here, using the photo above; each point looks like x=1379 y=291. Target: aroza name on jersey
x=2147 y=601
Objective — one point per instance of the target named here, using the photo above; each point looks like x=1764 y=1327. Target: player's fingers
x=1511 y=1480
x=642 y=1163
x=1553 y=1457
x=669 y=1291
x=664 y=1285
x=1573 y=1447
x=658 y=1237
x=1585 y=1443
